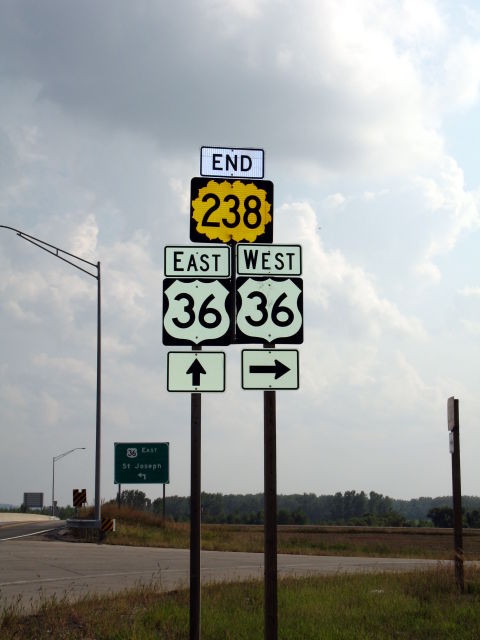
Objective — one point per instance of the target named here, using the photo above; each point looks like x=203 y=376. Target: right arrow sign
x=278 y=369
x=270 y=369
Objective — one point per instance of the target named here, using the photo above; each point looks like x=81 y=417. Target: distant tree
x=337 y=512
x=299 y=517
x=473 y=519
x=157 y=505
x=379 y=505
x=135 y=499
x=441 y=516
x=283 y=517
x=394 y=519
x=350 y=507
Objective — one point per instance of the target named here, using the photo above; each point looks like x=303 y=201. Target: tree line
x=348 y=508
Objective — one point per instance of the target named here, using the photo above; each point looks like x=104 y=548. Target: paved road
x=19 y=529
x=37 y=569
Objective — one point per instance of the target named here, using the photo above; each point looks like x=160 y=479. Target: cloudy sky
x=368 y=114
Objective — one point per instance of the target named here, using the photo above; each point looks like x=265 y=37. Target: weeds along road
x=33 y=570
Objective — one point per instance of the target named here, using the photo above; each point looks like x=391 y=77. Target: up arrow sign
x=278 y=368
x=196 y=370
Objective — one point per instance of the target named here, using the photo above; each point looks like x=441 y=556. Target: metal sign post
x=454 y=428
x=163 y=504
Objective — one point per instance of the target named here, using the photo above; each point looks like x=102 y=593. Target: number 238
x=251 y=204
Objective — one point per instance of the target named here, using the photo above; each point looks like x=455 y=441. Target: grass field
x=146 y=529
x=413 y=606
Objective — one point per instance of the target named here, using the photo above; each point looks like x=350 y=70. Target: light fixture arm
x=65 y=255
x=54 y=459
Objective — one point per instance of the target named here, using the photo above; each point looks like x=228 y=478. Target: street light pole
x=67 y=257
x=55 y=458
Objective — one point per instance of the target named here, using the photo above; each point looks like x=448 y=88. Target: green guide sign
x=141 y=463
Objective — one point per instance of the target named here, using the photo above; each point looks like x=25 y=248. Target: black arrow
x=196 y=370
x=279 y=369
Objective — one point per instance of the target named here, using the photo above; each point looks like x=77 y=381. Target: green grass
x=413 y=606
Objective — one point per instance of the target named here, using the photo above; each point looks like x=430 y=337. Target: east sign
x=191 y=262
x=231 y=210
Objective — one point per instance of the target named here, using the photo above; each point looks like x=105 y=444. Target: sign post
x=454 y=428
x=270 y=508
x=242 y=289
x=195 y=513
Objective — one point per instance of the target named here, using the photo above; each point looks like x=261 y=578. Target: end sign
x=230 y=163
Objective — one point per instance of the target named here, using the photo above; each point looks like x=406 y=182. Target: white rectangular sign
x=270 y=369
x=197 y=261
x=231 y=163
x=269 y=259
x=196 y=371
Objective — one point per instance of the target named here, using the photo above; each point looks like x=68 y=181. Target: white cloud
x=84 y=237
x=335 y=200
x=459 y=209
x=83 y=373
x=463 y=74
x=469 y=291
x=350 y=83
x=346 y=294
x=49 y=408
x=472 y=327
x=13 y=395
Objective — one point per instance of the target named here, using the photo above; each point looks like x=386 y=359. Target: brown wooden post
x=454 y=428
x=270 y=526
x=195 y=514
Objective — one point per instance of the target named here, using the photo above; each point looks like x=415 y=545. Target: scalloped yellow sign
x=231 y=210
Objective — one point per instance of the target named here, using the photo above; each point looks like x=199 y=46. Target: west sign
x=269 y=259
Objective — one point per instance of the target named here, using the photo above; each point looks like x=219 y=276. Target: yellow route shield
x=231 y=210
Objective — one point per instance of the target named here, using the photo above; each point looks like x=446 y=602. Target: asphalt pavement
x=15 y=530
x=35 y=570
